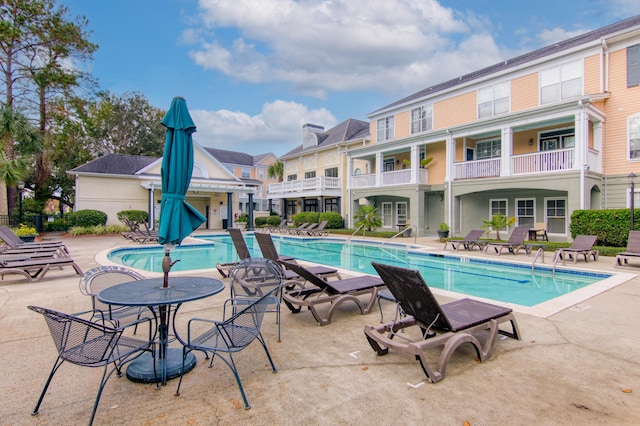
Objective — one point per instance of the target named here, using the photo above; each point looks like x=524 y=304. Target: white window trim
x=390 y=205
x=560 y=81
x=506 y=203
x=406 y=208
x=494 y=99
x=428 y=118
x=534 y=208
x=629 y=118
x=566 y=218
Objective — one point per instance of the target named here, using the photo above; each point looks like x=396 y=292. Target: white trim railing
x=542 y=162
x=391 y=178
x=311 y=184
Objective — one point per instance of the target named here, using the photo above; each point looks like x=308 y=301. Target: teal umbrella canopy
x=178 y=219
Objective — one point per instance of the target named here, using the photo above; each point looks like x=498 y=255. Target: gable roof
x=233 y=157
x=348 y=130
x=519 y=60
x=118 y=164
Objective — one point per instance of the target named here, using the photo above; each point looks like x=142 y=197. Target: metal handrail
x=354 y=233
x=533 y=264
x=415 y=236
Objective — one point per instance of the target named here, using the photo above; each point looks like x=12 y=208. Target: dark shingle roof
x=348 y=130
x=519 y=60
x=119 y=164
x=233 y=157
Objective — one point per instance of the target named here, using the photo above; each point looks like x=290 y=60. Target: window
x=331 y=205
x=389 y=164
x=261 y=174
x=525 y=212
x=556 y=215
x=387 y=215
x=332 y=172
x=292 y=208
x=421 y=119
x=633 y=65
x=633 y=136
x=562 y=82
x=401 y=213
x=494 y=100
x=310 y=205
x=310 y=175
x=558 y=139
x=497 y=207
x=385 y=129
x=292 y=177
x=489 y=148
x=246 y=172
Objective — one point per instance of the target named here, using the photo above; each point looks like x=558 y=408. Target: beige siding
x=524 y=92
x=110 y=195
x=456 y=110
x=403 y=124
x=438 y=167
x=592 y=74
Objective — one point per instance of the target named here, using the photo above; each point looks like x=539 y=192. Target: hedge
x=86 y=218
x=611 y=225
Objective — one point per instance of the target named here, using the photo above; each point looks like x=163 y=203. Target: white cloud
x=319 y=45
x=277 y=128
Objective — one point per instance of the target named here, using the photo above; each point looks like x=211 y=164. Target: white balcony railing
x=299 y=186
x=477 y=169
x=391 y=178
x=541 y=162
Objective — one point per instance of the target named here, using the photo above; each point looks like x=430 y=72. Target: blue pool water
x=506 y=282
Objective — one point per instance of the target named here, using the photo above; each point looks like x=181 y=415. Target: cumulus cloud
x=277 y=128
x=319 y=46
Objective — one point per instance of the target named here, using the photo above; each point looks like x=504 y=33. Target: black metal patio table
x=151 y=293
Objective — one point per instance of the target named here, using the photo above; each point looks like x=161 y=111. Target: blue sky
x=254 y=71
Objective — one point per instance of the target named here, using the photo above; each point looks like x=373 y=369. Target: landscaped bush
x=133 y=218
x=334 y=220
x=273 y=220
x=611 y=225
x=58 y=224
x=260 y=222
x=304 y=217
x=86 y=218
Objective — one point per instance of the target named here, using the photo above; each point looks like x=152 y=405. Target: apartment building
x=315 y=172
x=534 y=137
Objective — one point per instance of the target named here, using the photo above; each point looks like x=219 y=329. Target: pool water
x=495 y=280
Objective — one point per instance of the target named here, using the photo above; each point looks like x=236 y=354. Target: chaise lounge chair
x=241 y=249
x=269 y=251
x=633 y=249
x=448 y=326
x=582 y=245
x=280 y=228
x=319 y=231
x=469 y=242
x=316 y=292
x=36 y=268
x=514 y=243
x=299 y=229
x=14 y=243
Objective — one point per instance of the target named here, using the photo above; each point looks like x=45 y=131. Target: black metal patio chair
x=91 y=344
x=230 y=335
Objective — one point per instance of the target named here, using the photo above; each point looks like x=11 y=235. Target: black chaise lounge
x=469 y=242
x=448 y=326
x=633 y=249
x=315 y=291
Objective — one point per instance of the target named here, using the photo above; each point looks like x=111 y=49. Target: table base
x=141 y=369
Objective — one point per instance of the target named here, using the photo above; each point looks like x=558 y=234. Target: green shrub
x=260 y=222
x=334 y=220
x=116 y=229
x=611 y=225
x=310 y=217
x=273 y=220
x=133 y=218
x=86 y=218
x=58 y=224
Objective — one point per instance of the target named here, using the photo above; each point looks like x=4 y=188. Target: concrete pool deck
x=580 y=365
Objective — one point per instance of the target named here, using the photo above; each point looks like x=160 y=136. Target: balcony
x=392 y=178
x=538 y=162
x=316 y=186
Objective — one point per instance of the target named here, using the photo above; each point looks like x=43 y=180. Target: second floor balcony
x=390 y=178
x=321 y=185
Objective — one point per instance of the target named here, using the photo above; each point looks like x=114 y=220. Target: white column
x=415 y=164
x=506 y=149
x=379 y=168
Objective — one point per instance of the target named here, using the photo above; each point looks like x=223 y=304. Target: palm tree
x=276 y=170
x=367 y=217
x=498 y=222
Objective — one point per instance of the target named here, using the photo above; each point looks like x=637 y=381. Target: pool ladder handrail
x=354 y=233
x=415 y=236
x=539 y=252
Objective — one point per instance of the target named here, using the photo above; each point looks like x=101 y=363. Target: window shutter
x=633 y=65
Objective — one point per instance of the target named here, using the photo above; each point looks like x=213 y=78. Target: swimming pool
x=511 y=283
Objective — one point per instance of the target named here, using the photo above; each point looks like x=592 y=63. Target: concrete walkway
x=578 y=366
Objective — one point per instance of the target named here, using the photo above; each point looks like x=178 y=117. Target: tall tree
x=125 y=124
x=40 y=54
